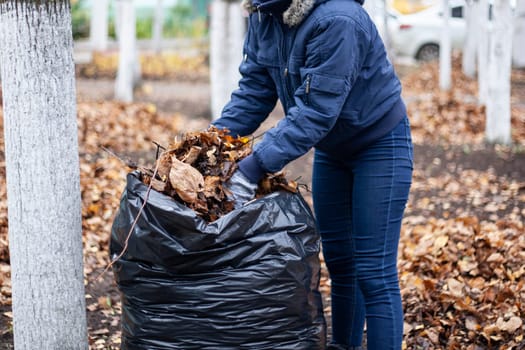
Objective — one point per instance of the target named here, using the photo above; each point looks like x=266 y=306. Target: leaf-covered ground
x=462 y=253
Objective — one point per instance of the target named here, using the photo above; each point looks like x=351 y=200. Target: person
x=326 y=63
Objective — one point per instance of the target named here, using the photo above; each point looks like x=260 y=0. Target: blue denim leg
x=359 y=203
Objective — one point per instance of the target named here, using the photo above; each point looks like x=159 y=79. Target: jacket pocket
x=324 y=93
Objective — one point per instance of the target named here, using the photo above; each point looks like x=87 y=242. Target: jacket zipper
x=285 y=73
x=307 y=89
x=287 y=86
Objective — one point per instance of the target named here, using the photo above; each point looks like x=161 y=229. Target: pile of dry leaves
x=193 y=170
x=463 y=283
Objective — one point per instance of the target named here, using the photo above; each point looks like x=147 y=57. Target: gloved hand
x=241 y=188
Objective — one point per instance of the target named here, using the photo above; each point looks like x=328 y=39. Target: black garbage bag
x=248 y=280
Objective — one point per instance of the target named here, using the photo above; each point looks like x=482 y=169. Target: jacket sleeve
x=335 y=52
x=252 y=102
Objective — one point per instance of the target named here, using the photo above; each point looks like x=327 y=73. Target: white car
x=418 y=35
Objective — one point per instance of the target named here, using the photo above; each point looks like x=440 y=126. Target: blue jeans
x=359 y=203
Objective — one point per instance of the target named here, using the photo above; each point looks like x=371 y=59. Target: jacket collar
x=293 y=16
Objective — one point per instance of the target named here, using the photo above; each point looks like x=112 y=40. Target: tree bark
x=500 y=61
x=519 y=35
x=386 y=30
x=99 y=25
x=158 y=23
x=226 y=40
x=43 y=176
x=471 y=39
x=378 y=12
x=371 y=7
x=483 y=49
x=445 y=51
x=128 y=74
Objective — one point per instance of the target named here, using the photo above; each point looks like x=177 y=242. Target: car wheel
x=428 y=52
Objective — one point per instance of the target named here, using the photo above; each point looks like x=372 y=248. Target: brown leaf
x=511 y=325
x=495 y=257
x=212 y=159
x=104 y=302
x=455 y=287
x=185 y=180
x=158 y=185
x=164 y=166
x=101 y=331
x=472 y=324
x=213 y=188
x=192 y=155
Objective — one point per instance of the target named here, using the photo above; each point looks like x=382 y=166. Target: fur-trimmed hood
x=293 y=15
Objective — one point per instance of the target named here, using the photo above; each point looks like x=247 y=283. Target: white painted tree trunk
x=498 y=128
x=227 y=31
x=371 y=7
x=99 y=25
x=128 y=74
x=43 y=177
x=158 y=23
x=118 y=18
x=484 y=40
x=518 y=51
x=378 y=12
x=471 y=40
x=386 y=29
x=445 y=51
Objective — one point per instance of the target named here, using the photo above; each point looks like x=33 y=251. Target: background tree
x=158 y=22
x=378 y=11
x=445 y=50
x=482 y=10
x=128 y=74
x=226 y=40
x=499 y=69
x=42 y=172
x=471 y=39
x=518 y=57
x=385 y=19
x=99 y=25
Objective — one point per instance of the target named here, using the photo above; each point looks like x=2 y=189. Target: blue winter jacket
x=326 y=63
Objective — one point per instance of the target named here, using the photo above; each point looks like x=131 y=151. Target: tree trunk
x=471 y=39
x=226 y=40
x=371 y=7
x=43 y=176
x=379 y=14
x=128 y=74
x=484 y=39
x=498 y=103
x=158 y=23
x=445 y=50
x=518 y=55
x=386 y=30
x=99 y=25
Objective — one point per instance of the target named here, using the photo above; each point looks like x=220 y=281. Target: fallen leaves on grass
x=486 y=195
x=123 y=127
x=463 y=283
